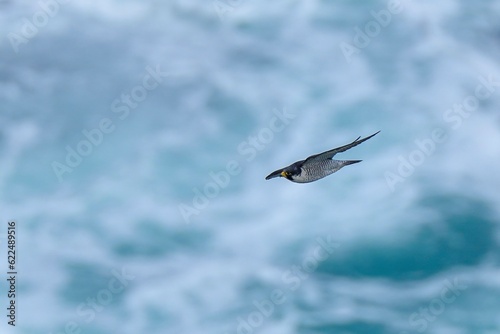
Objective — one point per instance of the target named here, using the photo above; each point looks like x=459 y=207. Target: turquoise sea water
x=135 y=138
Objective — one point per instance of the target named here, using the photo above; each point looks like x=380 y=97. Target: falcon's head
x=287 y=172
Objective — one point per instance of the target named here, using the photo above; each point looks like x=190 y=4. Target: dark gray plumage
x=317 y=166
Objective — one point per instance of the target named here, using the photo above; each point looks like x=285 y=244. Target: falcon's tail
x=349 y=162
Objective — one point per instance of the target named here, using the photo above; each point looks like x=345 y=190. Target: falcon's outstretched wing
x=330 y=154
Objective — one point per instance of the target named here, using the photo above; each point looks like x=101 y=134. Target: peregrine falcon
x=317 y=166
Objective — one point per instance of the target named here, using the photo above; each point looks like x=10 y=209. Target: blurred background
x=135 y=137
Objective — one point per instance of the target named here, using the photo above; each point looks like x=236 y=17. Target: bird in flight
x=317 y=166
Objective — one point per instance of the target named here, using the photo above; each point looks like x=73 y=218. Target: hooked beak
x=277 y=173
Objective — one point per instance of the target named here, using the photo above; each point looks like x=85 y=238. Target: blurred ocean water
x=135 y=138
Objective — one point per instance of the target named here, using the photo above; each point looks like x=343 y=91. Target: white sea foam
x=119 y=207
